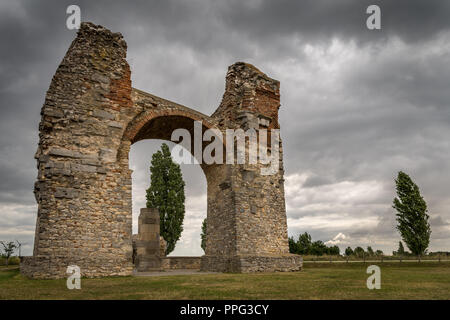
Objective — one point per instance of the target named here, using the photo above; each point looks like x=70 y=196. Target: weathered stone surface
x=59 y=152
x=115 y=124
x=103 y=114
x=147 y=243
x=172 y=263
x=90 y=118
x=108 y=155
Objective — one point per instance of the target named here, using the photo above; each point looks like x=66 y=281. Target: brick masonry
x=90 y=118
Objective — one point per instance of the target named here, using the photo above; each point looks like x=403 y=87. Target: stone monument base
x=148 y=243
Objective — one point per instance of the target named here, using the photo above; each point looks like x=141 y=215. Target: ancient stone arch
x=90 y=118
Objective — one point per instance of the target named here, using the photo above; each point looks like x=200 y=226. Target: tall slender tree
x=166 y=193
x=412 y=217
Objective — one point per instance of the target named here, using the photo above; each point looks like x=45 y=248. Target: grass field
x=316 y=281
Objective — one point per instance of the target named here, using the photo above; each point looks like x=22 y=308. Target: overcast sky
x=358 y=105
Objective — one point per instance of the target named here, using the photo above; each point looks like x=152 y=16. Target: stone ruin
x=91 y=117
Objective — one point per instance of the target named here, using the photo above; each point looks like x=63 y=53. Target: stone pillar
x=148 y=245
x=247 y=228
x=83 y=192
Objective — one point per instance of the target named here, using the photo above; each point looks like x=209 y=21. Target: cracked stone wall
x=90 y=118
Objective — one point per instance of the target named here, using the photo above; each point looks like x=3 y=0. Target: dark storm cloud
x=322 y=20
x=357 y=105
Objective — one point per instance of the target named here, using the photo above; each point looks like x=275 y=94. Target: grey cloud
x=315 y=181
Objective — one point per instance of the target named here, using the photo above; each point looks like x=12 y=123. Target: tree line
x=360 y=252
x=305 y=246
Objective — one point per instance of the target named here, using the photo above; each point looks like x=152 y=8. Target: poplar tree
x=412 y=217
x=166 y=193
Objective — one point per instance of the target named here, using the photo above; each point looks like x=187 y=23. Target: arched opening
x=144 y=136
x=195 y=191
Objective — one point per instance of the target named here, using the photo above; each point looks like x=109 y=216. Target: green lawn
x=316 y=281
